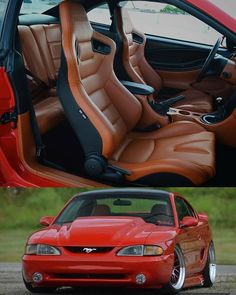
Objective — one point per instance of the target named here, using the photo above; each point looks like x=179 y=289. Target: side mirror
x=202 y=217
x=189 y=221
x=46 y=220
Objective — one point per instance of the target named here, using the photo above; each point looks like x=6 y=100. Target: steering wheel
x=209 y=60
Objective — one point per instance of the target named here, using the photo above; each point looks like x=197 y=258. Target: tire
x=32 y=289
x=178 y=275
x=209 y=272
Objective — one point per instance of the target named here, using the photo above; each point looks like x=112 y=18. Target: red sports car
x=125 y=237
x=144 y=94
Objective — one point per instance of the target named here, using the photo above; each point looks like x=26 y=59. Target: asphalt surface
x=11 y=284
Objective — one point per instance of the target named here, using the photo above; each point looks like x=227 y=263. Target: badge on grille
x=89 y=250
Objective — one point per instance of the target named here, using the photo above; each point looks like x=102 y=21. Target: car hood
x=102 y=231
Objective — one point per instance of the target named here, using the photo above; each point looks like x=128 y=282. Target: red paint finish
x=12 y=171
x=216 y=13
x=6 y=94
x=108 y=269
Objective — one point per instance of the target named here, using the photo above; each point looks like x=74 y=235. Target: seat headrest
x=160 y=209
x=126 y=20
x=74 y=19
x=101 y=210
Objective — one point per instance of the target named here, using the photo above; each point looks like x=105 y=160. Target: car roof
x=125 y=191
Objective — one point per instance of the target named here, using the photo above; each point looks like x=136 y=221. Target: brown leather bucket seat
x=103 y=114
x=139 y=70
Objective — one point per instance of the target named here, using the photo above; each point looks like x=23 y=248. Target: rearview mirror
x=46 y=220
x=189 y=221
x=202 y=217
x=120 y=202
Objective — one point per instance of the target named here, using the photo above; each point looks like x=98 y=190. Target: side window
x=183 y=209
x=169 y=21
x=100 y=14
x=3 y=6
x=29 y=6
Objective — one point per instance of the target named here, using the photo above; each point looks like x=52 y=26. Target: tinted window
x=100 y=14
x=37 y=6
x=183 y=209
x=169 y=21
x=154 y=210
x=3 y=6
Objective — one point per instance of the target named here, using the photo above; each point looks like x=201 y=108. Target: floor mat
x=225 y=167
x=64 y=150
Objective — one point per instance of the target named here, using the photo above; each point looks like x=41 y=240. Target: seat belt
x=40 y=147
x=52 y=83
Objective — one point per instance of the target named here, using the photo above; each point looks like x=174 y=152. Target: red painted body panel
x=108 y=269
x=156 y=269
x=216 y=13
x=12 y=171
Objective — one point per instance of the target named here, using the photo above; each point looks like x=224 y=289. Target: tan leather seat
x=41 y=46
x=103 y=113
x=140 y=71
x=101 y=210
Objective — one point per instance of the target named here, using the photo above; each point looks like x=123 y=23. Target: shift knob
x=219 y=100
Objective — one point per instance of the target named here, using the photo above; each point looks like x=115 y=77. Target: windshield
x=37 y=6
x=227 y=6
x=155 y=210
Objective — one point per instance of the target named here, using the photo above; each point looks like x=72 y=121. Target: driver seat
x=161 y=212
x=138 y=69
x=103 y=114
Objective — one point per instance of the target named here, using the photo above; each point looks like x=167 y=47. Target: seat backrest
x=101 y=210
x=96 y=103
x=162 y=212
x=41 y=46
x=133 y=53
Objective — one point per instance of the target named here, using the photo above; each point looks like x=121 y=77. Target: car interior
x=105 y=112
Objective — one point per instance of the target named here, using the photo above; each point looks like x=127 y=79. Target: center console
x=223 y=125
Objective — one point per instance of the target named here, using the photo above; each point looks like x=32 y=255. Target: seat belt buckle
x=40 y=151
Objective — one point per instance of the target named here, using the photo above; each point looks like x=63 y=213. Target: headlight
x=141 y=250
x=41 y=249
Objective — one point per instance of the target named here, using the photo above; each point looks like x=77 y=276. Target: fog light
x=37 y=277
x=140 y=279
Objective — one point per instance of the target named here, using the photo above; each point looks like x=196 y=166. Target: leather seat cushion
x=184 y=148
x=196 y=101
x=49 y=113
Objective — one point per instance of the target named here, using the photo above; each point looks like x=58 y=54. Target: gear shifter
x=219 y=103
x=223 y=110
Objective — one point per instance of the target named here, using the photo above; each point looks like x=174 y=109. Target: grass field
x=20 y=212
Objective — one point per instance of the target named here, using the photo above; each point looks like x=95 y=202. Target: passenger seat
x=139 y=71
x=41 y=46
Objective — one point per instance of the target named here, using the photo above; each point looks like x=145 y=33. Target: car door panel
x=178 y=79
x=166 y=55
x=177 y=62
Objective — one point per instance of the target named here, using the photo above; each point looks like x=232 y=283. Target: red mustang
x=168 y=120
x=125 y=237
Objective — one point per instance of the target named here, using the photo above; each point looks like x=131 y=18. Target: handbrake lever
x=163 y=107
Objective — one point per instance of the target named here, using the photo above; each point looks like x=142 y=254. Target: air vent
x=88 y=276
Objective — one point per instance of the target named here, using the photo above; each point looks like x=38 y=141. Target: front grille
x=89 y=250
x=89 y=276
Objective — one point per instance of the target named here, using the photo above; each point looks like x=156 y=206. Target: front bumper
x=97 y=270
